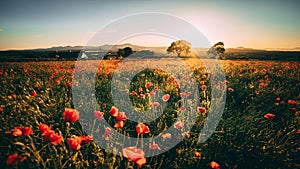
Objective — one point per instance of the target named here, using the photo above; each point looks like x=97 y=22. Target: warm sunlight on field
x=258 y=129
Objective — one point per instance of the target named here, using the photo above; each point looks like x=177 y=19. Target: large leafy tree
x=127 y=51
x=217 y=50
x=179 y=47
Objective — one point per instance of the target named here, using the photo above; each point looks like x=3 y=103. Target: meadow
x=42 y=124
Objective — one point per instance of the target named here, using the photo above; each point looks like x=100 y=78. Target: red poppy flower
x=178 y=125
x=14 y=159
x=298 y=131
x=182 y=94
x=44 y=128
x=182 y=108
x=34 y=94
x=134 y=93
x=86 y=139
x=98 y=115
x=202 y=82
x=134 y=154
x=201 y=110
x=71 y=115
x=148 y=84
x=152 y=93
x=203 y=87
x=142 y=128
x=15 y=132
x=230 y=89
x=292 y=102
x=269 y=116
x=52 y=137
x=119 y=124
x=107 y=132
x=178 y=151
x=1 y=109
x=214 y=165
x=140 y=89
x=74 y=143
x=14 y=96
x=166 y=135
x=20 y=131
x=69 y=84
x=121 y=116
x=197 y=154
x=113 y=111
x=155 y=104
x=278 y=99
x=154 y=146
x=166 y=97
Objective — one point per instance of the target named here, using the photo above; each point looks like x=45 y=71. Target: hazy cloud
x=1 y=30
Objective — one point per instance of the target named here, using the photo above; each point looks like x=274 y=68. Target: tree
x=179 y=47
x=127 y=51
x=120 y=53
x=217 y=50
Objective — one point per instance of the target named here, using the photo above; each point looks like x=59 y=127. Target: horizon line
x=230 y=47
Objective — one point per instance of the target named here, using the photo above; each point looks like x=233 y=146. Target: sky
x=257 y=24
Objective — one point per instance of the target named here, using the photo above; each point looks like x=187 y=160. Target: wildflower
x=197 y=154
x=44 y=128
x=14 y=159
x=166 y=135
x=142 y=128
x=155 y=104
x=182 y=94
x=69 y=84
x=52 y=137
x=182 y=108
x=86 y=139
x=292 y=102
x=152 y=93
x=113 y=111
x=134 y=154
x=74 y=143
x=154 y=146
x=134 y=93
x=14 y=96
x=203 y=87
x=20 y=131
x=34 y=94
x=140 y=89
x=1 y=109
x=121 y=116
x=98 y=115
x=214 y=165
x=148 y=84
x=71 y=115
x=269 y=116
x=201 y=110
x=166 y=97
x=107 y=132
x=119 y=124
x=178 y=125
x=230 y=89
x=278 y=99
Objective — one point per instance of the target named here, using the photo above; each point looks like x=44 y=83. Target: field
x=43 y=125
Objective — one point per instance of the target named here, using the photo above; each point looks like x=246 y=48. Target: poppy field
x=42 y=124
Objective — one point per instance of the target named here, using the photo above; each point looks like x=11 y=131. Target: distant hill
x=72 y=52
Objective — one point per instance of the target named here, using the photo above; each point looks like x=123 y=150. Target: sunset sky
x=255 y=24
